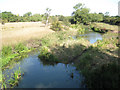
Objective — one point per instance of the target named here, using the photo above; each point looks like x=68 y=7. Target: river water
x=40 y=74
x=91 y=36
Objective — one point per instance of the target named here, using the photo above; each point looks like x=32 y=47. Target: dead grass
x=20 y=25
x=31 y=30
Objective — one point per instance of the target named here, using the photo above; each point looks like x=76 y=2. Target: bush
x=46 y=55
x=56 y=26
x=81 y=31
x=3 y=22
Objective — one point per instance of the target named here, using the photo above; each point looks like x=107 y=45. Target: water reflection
x=48 y=63
x=41 y=74
x=92 y=37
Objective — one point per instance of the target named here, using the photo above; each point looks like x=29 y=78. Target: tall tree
x=48 y=10
x=81 y=14
x=27 y=14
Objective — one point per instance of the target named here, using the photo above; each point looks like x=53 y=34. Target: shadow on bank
x=100 y=69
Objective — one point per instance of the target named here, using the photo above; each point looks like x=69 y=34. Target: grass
x=51 y=40
x=0 y=73
x=98 y=66
x=9 y=53
x=31 y=30
x=106 y=26
x=46 y=55
x=13 y=81
x=97 y=62
x=3 y=83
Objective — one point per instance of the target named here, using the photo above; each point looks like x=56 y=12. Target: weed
x=3 y=84
x=20 y=47
x=6 y=50
x=15 y=78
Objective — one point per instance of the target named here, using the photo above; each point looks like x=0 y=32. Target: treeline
x=80 y=15
x=27 y=17
x=83 y=15
x=113 y=20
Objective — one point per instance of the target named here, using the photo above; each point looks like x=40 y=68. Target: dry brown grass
x=31 y=30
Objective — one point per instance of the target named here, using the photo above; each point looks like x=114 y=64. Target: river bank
x=96 y=61
x=89 y=58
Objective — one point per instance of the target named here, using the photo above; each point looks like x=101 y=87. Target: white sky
x=59 y=7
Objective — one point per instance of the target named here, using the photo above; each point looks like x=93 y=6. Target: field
x=13 y=33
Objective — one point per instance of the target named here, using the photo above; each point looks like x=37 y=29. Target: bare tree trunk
x=48 y=14
x=47 y=21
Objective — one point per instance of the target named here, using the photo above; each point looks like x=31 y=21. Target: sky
x=59 y=7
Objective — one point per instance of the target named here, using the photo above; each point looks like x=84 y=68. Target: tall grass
x=9 y=52
x=6 y=50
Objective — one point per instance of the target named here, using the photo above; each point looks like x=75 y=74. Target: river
x=40 y=74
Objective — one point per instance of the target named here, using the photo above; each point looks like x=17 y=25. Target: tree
x=27 y=14
x=81 y=14
x=94 y=17
x=48 y=10
x=78 y=6
x=9 y=17
x=107 y=13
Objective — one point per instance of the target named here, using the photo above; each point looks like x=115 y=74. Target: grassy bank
x=103 y=27
x=9 y=53
x=97 y=62
x=100 y=63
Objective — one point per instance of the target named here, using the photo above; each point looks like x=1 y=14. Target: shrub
x=3 y=22
x=56 y=26
x=46 y=55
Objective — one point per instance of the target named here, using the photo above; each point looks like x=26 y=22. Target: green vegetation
x=97 y=62
x=27 y=17
x=46 y=55
x=9 y=53
x=97 y=29
x=104 y=27
x=97 y=66
x=3 y=84
x=82 y=15
x=13 y=81
x=56 y=26
x=113 y=20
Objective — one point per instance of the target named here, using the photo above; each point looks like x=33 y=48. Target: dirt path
x=20 y=32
